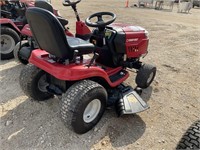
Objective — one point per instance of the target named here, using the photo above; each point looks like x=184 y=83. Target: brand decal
x=132 y=40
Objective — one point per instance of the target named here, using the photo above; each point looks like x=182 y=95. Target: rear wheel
x=33 y=83
x=9 y=38
x=191 y=139
x=145 y=75
x=17 y=48
x=83 y=105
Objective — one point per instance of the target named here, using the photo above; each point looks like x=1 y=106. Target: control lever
x=75 y=55
x=96 y=55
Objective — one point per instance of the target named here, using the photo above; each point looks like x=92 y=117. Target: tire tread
x=14 y=34
x=71 y=99
x=143 y=75
x=191 y=139
x=26 y=80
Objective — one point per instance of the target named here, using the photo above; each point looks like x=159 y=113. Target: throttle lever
x=96 y=55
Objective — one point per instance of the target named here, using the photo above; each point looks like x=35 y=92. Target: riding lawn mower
x=12 y=21
x=87 y=75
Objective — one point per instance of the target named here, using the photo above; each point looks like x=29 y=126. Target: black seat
x=50 y=35
x=45 y=5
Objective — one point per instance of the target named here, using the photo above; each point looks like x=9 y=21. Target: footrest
x=118 y=75
x=131 y=103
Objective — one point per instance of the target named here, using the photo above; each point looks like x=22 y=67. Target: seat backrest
x=48 y=32
x=43 y=4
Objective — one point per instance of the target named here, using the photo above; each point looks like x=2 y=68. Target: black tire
x=29 y=80
x=11 y=34
x=16 y=52
x=145 y=75
x=75 y=101
x=191 y=139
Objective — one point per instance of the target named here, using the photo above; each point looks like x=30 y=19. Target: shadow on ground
x=38 y=125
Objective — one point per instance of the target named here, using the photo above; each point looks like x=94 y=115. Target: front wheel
x=83 y=105
x=9 y=38
x=33 y=82
x=145 y=75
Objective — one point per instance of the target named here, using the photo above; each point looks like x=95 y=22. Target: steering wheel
x=69 y=3
x=100 y=22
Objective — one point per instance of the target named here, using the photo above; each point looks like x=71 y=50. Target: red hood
x=126 y=27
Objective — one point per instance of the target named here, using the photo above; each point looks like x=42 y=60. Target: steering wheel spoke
x=99 y=18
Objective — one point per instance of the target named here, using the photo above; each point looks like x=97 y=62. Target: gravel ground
x=174 y=96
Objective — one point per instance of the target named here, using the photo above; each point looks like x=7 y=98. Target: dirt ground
x=174 y=97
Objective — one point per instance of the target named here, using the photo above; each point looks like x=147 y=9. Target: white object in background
x=185 y=6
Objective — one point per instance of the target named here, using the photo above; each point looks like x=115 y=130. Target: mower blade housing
x=131 y=103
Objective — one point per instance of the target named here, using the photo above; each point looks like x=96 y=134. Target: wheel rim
x=7 y=44
x=92 y=110
x=42 y=84
x=150 y=78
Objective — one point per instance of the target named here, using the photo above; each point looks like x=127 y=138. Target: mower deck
x=130 y=102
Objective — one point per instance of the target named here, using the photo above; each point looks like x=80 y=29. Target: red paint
x=55 y=12
x=26 y=30
x=73 y=72
x=138 y=46
x=81 y=28
x=136 y=41
x=5 y=21
x=67 y=32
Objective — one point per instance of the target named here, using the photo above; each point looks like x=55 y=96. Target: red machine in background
x=12 y=21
